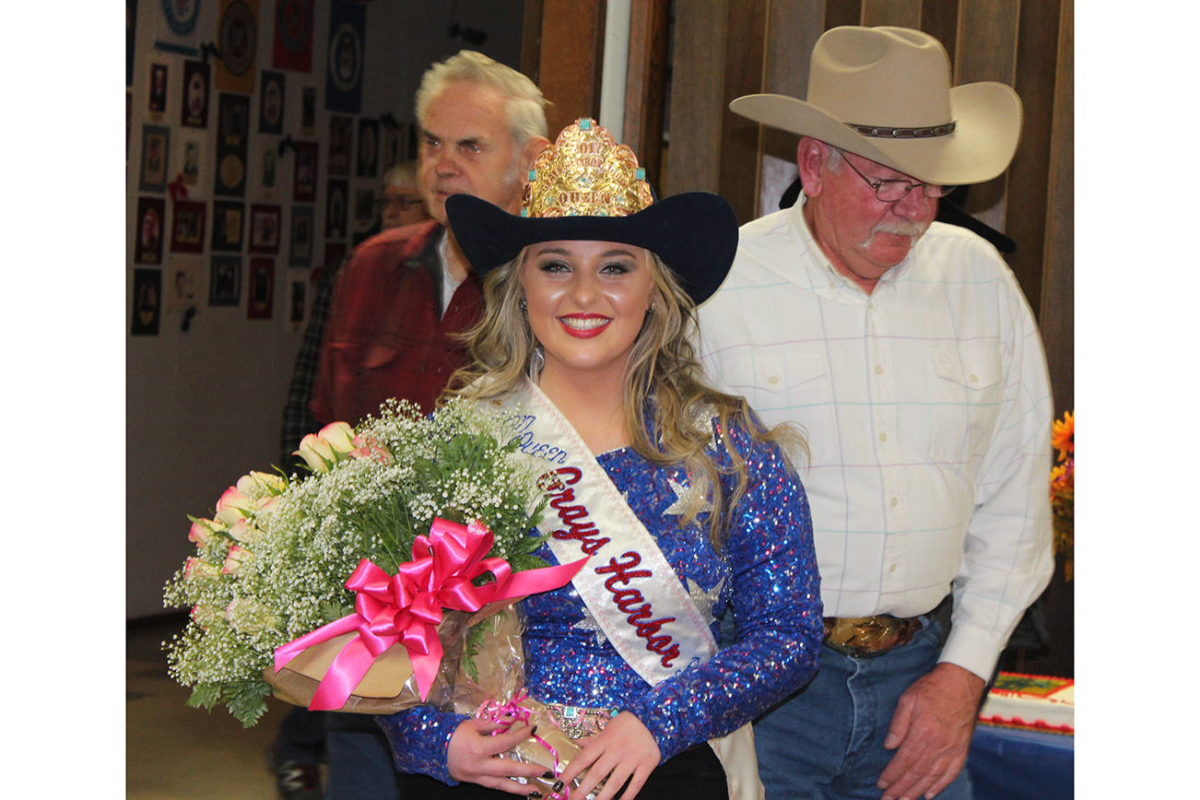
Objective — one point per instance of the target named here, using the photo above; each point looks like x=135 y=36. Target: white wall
x=203 y=407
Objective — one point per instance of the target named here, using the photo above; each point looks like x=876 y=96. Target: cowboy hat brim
x=695 y=234
x=988 y=126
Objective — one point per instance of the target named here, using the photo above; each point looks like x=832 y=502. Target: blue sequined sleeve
x=420 y=737
x=776 y=593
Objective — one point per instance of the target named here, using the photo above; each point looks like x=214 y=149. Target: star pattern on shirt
x=702 y=418
x=589 y=625
x=686 y=497
x=704 y=600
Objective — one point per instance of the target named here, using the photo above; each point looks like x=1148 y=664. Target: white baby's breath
x=303 y=536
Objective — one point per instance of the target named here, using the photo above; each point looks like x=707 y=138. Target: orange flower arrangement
x=1062 y=490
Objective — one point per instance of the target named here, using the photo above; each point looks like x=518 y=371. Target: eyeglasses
x=893 y=190
x=404 y=201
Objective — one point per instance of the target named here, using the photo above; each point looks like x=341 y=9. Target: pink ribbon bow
x=406 y=608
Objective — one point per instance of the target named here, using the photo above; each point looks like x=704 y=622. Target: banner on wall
x=293 y=35
x=175 y=26
x=343 y=73
x=237 y=41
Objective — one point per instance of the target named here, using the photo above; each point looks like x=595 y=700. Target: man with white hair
x=407 y=291
x=906 y=350
x=400 y=203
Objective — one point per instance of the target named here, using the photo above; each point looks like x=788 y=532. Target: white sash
x=628 y=585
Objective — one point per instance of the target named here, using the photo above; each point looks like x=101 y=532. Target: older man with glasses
x=906 y=350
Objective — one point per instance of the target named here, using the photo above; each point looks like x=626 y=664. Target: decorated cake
x=1035 y=702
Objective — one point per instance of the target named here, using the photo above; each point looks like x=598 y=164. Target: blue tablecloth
x=1013 y=764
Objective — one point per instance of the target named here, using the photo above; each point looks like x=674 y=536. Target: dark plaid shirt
x=298 y=421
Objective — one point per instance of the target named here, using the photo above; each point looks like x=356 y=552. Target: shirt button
x=774 y=379
x=974 y=378
x=878 y=369
x=892 y=568
x=895 y=502
x=883 y=437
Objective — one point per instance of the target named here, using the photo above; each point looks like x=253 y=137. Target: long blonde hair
x=662 y=372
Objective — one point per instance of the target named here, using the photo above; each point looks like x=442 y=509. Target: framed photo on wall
x=158 y=89
x=304 y=187
x=225 y=281
x=227 y=226
x=341 y=142
x=270 y=104
x=190 y=158
x=147 y=302
x=156 y=140
x=151 y=223
x=262 y=288
x=292 y=48
x=194 y=112
x=187 y=226
x=265 y=222
x=233 y=134
x=336 y=202
x=237 y=43
x=368 y=148
x=300 y=250
x=183 y=279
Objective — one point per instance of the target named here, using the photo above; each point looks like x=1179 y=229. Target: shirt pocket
x=968 y=392
x=786 y=385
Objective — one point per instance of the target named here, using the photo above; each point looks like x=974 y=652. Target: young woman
x=684 y=503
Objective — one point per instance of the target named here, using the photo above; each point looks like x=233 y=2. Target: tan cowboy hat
x=884 y=93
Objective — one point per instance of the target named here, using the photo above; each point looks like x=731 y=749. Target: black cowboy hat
x=586 y=187
x=695 y=234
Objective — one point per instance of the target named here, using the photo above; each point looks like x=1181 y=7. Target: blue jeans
x=826 y=741
x=360 y=759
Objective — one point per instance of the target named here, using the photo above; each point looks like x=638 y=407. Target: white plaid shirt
x=927 y=409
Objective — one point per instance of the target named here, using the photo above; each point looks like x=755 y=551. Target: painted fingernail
x=533 y=731
x=548 y=776
x=534 y=795
x=557 y=787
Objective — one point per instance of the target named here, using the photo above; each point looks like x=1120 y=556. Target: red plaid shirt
x=386 y=337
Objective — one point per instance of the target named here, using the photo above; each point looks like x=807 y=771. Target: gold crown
x=586 y=174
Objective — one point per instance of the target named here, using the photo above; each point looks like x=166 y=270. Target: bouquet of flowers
x=1062 y=491
x=314 y=572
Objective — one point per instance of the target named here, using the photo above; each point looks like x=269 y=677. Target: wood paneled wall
x=725 y=48
x=677 y=120
x=689 y=58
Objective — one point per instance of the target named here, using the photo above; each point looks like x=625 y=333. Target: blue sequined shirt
x=766 y=570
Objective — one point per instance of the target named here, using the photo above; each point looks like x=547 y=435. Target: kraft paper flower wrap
x=342 y=578
x=390 y=654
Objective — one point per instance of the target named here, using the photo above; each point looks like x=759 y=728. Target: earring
x=537 y=361
x=650 y=309
x=521 y=304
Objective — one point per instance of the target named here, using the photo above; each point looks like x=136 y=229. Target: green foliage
x=278 y=572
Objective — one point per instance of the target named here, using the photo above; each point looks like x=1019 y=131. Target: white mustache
x=901 y=228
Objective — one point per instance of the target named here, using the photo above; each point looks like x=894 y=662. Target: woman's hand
x=473 y=756
x=623 y=751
